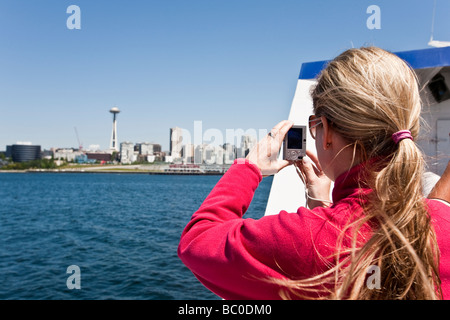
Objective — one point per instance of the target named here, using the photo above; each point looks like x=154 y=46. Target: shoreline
x=120 y=171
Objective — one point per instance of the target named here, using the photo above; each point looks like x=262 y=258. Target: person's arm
x=231 y=256
x=239 y=258
x=224 y=251
x=442 y=188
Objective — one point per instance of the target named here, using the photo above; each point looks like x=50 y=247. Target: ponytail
x=405 y=242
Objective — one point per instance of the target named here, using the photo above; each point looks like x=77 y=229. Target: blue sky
x=228 y=63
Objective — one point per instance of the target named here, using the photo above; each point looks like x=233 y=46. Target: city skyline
x=181 y=152
x=230 y=64
x=236 y=137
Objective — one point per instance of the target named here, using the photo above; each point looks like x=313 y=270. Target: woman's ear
x=327 y=137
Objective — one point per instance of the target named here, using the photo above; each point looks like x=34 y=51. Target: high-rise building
x=156 y=148
x=247 y=143
x=229 y=153
x=188 y=153
x=127 y=153
x=212 y=154
x=176 y=137
x=145 y=148
x=198 y=154
x=219 y=154
x=113 y=144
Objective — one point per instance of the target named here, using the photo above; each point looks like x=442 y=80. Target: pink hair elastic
x=400 y=135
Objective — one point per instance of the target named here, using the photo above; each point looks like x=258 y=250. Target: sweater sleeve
x=237 y=258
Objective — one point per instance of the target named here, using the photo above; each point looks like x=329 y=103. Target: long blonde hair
x=368 y=94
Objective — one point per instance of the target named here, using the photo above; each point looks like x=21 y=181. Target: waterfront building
x=176 y=137
x=209 y=155
x=229 y=153
x=46 y=154
x=99 y=156
x=67 y=154
x=127 y=153
x=241 y=152
x=247 y=143
x=156 y=148
x=147 y=149
x=144 y=148
x=25 y=151
x=8 y=152
x=219 y=154
x=83 y=159
x=198 y=154
x=188 y=153
x=159 y=156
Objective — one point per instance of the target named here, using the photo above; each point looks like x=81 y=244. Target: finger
x=284 y=129
x=317 y=171
x=277 y=136
x=308 y=169
x=300 y=165
x=281 y=127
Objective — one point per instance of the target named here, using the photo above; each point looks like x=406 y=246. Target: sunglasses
x=313 y=122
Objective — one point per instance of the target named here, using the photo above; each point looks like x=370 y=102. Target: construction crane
x=432 y=42
x=80 y=145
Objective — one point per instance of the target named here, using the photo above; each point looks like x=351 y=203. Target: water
x=122 y=230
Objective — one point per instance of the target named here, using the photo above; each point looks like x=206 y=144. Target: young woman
x=377 y=238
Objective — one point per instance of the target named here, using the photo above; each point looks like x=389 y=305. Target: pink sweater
x=232 y=256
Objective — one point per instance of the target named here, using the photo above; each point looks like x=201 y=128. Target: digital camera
x=295 y=143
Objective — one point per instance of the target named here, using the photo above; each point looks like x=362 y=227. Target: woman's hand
x=265 y=154
x=317 y=183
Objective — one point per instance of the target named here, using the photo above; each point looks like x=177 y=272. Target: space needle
x=113 y=145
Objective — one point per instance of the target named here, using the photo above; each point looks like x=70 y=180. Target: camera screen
x=295 y=138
